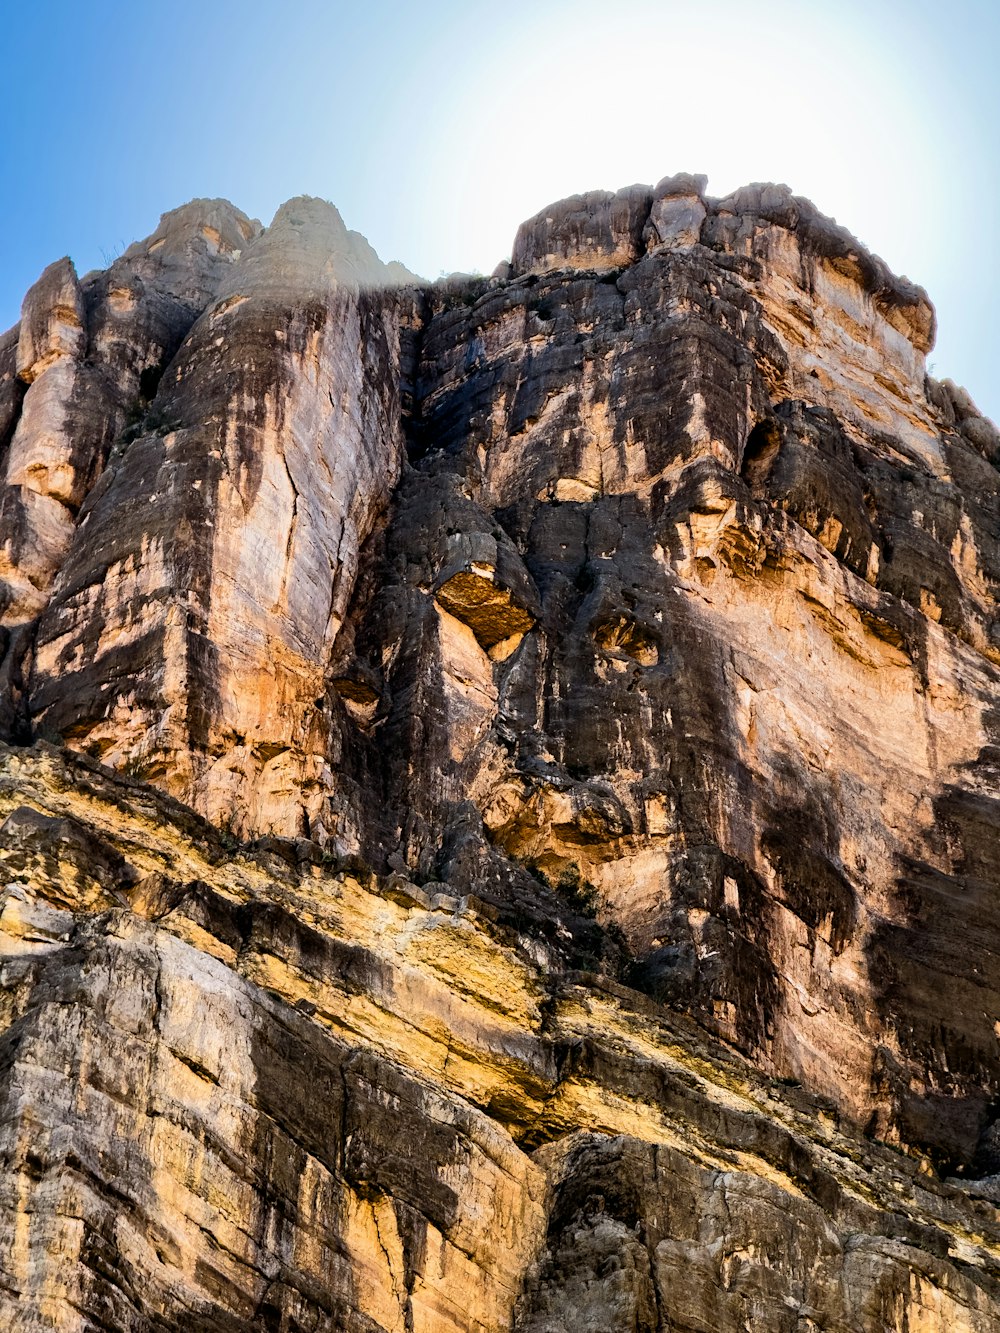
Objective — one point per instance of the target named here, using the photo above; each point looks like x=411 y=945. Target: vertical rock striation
x=212 y=567
x=589 y=677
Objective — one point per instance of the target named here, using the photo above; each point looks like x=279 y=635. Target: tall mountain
x=500 y=785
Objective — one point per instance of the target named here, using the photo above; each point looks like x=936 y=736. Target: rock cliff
x=499 y=785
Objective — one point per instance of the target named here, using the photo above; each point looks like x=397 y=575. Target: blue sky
x=437 y=127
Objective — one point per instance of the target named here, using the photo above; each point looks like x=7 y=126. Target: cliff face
x=589 y=678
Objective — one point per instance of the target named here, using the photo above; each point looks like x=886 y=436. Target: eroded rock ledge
x=497 y=826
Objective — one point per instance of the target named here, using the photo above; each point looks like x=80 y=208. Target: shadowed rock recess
x=499 y=786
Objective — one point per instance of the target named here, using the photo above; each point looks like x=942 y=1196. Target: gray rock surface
x=595 y=230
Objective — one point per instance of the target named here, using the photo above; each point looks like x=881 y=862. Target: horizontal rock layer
x=248 y=1089
x=624 y=627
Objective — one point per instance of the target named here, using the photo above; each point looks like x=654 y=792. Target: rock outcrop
x=498 y=815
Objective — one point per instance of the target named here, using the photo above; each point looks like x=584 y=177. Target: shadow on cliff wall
x=936 y=981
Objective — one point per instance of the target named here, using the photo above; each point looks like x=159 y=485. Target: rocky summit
x=499 y=786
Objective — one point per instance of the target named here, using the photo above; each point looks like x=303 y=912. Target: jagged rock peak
x=219 y=223
x=308 y=247
x=52 y=321
x=604 y=230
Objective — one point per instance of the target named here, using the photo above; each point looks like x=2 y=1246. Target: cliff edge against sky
x=499 y=785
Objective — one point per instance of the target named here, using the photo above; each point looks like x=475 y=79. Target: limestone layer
x=498 y=823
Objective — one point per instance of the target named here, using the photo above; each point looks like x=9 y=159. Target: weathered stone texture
x=252 y=1092
x=213 y=566
x=603 y=661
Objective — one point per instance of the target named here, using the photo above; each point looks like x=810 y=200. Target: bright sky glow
x=436 y=128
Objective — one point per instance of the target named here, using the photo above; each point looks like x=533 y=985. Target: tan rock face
x=91 y=355
x=603 y=658
x=250 y=1091
x=52 y=322
x=239 y=560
